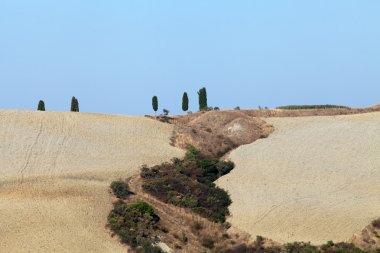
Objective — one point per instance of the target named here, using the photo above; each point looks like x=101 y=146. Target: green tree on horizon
x=202 y=94
x=185 y=102
x=41 y=105
x=155 y=104
x=74 y=105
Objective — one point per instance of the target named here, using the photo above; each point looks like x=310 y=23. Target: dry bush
x=376 y=223
x=197 y=226
x=208 y=242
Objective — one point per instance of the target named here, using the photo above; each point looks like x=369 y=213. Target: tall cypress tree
x=74 y=105
x=202 y=94
x=41 y=106
x=185 y=102
x=155 y=104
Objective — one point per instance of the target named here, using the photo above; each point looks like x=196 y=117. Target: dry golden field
x=56 y=168
x=313 y=179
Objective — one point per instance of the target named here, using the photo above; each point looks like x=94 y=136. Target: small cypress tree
x=74 y=105
x=155 y=104
x=202 y=93
x=41 y=106
x=185 y=102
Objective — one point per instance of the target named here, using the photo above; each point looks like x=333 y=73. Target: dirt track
x=55 y=173
x=314 y=179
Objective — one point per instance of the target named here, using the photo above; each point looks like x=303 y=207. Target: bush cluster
x=309 y=107
x=189 y=183
x=135 y=225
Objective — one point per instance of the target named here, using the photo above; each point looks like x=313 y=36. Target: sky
x=115 y=55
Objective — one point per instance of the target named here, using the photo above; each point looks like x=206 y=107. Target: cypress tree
x=41 y=106
x=74 y=105
x=155 y=104
x=185 y=102
x=202 y=93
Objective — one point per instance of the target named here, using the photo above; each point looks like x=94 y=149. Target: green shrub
x=136 y=225
x=165 y=112
x=300 y=247
x=259 y=241
x=340 y=248
x=143 y=208
x=120 y=189
x=147 y=172
x=149 y=248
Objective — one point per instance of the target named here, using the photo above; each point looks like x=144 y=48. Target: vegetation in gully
x=135 y=223
x=189 y=183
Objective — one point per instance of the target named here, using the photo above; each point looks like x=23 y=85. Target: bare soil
x=217 y=132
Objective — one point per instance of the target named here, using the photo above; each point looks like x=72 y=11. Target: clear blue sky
x=115 y=55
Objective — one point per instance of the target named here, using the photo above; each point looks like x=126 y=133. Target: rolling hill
x=56 y=168
x=313 y=179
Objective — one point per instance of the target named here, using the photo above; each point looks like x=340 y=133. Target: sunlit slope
x=314 y=179
x=55 y=173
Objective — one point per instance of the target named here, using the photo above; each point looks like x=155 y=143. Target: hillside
x=302 y=179
x=313 y=179
x=56 y=168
